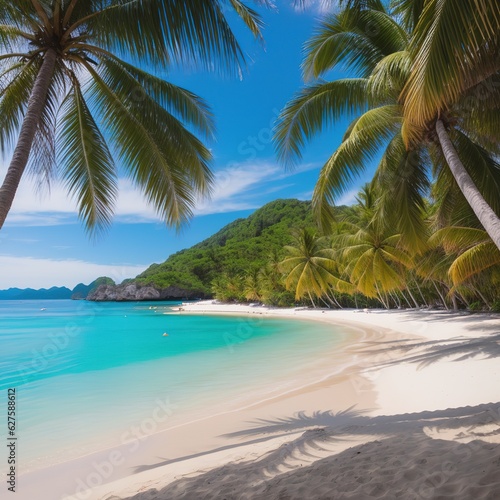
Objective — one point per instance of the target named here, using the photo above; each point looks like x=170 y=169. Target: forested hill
x=239 y=247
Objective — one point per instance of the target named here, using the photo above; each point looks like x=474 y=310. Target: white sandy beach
x=414 y=413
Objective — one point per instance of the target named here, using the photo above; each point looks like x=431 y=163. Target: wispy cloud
x=348 y=198
x=239 y=186
x=27 y=272
x=318 y=6
x=235 y=188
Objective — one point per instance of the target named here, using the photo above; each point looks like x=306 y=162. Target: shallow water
x=88 y=375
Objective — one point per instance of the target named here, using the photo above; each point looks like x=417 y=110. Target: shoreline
x=374 y=391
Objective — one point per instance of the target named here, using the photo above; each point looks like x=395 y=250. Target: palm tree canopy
x=109 y=111
x=377 y=100
x=309 y=265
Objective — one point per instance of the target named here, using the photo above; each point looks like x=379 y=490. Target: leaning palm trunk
x=483 y=211
x=28 y=129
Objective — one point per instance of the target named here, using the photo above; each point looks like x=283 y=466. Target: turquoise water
x=86 y=373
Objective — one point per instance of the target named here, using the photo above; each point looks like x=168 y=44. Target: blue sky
x=43 y=244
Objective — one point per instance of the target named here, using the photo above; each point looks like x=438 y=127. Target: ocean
x=86 y=375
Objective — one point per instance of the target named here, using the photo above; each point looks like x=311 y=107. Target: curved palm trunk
x=483 y=211
x=28 y=129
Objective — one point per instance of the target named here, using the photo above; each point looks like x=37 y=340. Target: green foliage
x=475 y=306
x=495 y=307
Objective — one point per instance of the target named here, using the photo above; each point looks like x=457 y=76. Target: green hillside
x=239 y=247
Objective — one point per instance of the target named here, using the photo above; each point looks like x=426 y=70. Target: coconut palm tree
x=372 y=44
x=309 y=266
x=70 y=96
x=370 y=252
x=454 y=51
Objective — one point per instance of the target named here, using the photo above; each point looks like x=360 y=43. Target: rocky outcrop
x=136 y=292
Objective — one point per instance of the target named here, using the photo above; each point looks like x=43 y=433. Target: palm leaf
x=13 y=102
x=474 y=261
x=402 y=181
x=450 y=40
x=86 y=163
x=355 y=38
x=181 y=102
x=314 y=107
x=371 y=131
x=172 y=174
x=177 y=31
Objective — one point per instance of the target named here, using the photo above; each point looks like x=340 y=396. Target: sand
x=413 y=413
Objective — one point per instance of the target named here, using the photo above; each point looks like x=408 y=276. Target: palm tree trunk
x=333 y=300
x=420 y=291
x=413 y=298
x=28 y=129
x=483 y=211
x=443 y=300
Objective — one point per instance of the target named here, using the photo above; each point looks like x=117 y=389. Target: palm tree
x=370 y=42
x=454 y=54
x=374 y=262
x=370 y=251
x=62 y=62
x=309 y=266
x=252 y=286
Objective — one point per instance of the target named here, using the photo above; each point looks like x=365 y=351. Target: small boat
x=165 y=334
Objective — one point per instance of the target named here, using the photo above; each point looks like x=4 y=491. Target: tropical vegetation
x=277 y=257
x=424 y=102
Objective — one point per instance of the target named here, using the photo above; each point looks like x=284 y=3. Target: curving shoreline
x=375 y=381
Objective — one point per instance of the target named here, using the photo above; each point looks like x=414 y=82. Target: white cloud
x=27 y=272
x=348 y=198
x=318 y=6
x=239 y=186
x=234 y=188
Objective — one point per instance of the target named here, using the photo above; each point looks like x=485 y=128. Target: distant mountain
x=79 y=292
x=31 y=294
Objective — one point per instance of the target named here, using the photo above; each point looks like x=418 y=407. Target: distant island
x=80 y=292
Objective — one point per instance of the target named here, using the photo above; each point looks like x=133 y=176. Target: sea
x=84 y=374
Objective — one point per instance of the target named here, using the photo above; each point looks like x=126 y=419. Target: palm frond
x=14 y=98
x=447 y=40
x=85 y=162
x=389 y=75
x=402 y=181
x=313 y=108
x=177 y=31
x=189 y=107
x=474 y=261
x=356 y=39
x=409 y=11
x=167 y=162
x=456 y=238
x=371 y=131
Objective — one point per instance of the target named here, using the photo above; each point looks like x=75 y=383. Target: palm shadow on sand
x=399 y=452
x=424 y=353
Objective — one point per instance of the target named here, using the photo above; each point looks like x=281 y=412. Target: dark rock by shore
x=136 y=292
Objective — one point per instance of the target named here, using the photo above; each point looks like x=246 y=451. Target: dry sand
x=415 y=413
